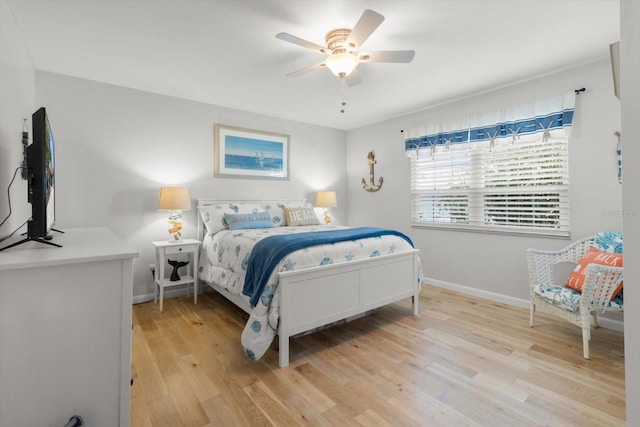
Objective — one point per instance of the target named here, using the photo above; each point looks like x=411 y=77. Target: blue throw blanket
x=268 y=252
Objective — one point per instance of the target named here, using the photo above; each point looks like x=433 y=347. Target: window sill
x=513 y=231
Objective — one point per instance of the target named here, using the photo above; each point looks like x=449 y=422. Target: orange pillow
x=593 y=256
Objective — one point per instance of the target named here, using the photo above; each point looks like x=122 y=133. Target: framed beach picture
x=246 y=153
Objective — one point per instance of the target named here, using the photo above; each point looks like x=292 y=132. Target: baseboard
x=169 y=293
x=604 y=322
x=614 y=325
x=518 y=302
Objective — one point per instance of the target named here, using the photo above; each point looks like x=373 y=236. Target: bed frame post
x=283 y=326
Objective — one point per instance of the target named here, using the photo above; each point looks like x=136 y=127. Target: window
x=499 y=181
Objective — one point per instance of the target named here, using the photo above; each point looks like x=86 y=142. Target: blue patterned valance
x=540 y=120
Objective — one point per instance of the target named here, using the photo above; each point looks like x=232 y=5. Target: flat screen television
x=41 y=165
x=41 y=181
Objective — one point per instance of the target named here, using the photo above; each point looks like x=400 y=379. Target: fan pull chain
x=343 y=103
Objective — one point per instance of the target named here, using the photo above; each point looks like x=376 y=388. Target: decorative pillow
x=301 y=216
x=248 y=220
x=593 y=256
x=608 y=241
x=213 y=215
x=277 y=211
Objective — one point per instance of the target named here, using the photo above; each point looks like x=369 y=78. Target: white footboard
x=318 y=296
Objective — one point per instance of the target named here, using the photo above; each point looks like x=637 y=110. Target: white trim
x=169 y=293
x=604 y=322
x=517 y=302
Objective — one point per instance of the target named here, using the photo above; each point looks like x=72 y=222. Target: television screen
x=41 y=182
x=41 y=168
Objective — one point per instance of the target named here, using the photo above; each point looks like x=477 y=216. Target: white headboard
x=207 y=202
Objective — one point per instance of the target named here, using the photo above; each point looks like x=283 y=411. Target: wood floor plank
x=142 y=353
x=354 y=403
x=340 y=416
x=243 y=403
x=463 y=361
x=371 y=418
x=221 y=413
x=163 y=412
x=428 y=410
x=201 y=385
x=567 y=411
x=320 y=401
x=185 y=401
x=307 y=415
x=383 y=410
x=153 y=384
x=272 y=408
x=139 y=416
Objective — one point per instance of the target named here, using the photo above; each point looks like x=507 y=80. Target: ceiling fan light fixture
x=343 y=49
x=342 y=64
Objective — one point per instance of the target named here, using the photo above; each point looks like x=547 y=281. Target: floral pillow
x=609 y=241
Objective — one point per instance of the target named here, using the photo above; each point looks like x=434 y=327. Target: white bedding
x=224 y=258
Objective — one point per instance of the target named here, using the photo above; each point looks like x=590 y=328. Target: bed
x=308 y=286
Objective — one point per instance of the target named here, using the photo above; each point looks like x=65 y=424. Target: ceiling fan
x=343 y=48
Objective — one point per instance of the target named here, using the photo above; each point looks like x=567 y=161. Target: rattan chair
x=577 y=308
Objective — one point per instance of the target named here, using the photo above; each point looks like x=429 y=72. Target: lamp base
x=327 y=217
x=175 y=235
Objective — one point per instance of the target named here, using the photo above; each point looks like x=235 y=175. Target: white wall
x=17 y=86
x=630 y=98
x=116 y=147
x=490 y=263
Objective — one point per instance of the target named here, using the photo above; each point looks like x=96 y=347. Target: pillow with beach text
x=301 y=216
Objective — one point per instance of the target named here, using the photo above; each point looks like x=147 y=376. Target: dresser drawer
x=169 y=250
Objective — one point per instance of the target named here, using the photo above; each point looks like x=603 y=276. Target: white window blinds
x=508 y=175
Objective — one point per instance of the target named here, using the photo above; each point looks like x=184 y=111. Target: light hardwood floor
x=463 y=361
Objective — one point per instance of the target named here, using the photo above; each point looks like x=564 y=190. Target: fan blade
x=306 y=69
x=302 y=42
x=365 y=26
x=353 y=78
x=403 y=56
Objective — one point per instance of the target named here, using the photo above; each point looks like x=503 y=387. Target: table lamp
x=327 y=200
x=175 y=200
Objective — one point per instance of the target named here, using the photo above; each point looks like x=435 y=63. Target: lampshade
x=342 y=64
x=174 y=199
x=326 y=199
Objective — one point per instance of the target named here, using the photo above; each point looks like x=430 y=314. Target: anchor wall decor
x=371 y=160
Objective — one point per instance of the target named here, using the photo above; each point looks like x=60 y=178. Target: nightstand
x=166 y=250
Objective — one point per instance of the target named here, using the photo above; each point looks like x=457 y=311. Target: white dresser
x=65 y=330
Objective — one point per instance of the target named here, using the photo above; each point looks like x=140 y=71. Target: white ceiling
x=224 y=52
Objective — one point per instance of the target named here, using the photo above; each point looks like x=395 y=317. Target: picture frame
x=248 y=153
